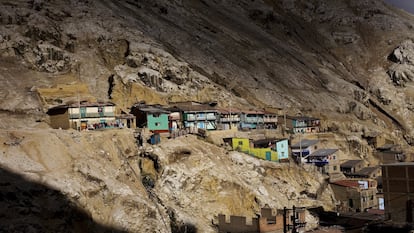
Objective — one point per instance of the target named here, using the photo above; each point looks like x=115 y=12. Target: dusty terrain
x=347 y=62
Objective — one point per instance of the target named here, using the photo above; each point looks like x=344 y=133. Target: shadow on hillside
x=27 y=206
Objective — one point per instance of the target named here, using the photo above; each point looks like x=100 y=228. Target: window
x=240 y=143
x=334 y=168
x=157 y=123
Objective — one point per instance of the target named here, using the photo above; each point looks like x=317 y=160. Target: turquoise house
x=282 y=148
x=152 y=117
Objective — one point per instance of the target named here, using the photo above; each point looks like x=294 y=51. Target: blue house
x=198 y=115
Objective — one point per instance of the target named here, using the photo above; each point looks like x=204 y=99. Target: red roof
x=347 y=183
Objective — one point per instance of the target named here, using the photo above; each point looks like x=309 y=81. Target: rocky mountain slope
x=347 y=62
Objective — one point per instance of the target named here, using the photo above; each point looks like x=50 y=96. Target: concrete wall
x=237 y=224
x=398 y=188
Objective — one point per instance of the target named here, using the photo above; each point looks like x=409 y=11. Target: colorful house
x=154 y=118
x=305 y=124
x=280 y=146
x=83 y=115
x=199 y=116
x=247 y=146
x=252 y=120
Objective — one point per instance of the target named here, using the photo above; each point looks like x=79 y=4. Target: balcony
x=91 y=115
x=200 y=118
x=232 y=119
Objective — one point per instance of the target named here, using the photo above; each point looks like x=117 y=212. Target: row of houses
x=182 y=115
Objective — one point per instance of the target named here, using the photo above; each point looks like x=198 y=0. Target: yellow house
x=244 y=145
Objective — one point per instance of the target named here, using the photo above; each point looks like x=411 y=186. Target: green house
x=154 y=118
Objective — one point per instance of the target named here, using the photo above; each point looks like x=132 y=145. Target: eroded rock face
x=402 y=71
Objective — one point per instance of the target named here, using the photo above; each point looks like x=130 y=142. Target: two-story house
x=355 y=195
x=303 y=148
x=350 y=167
x=304 y=124
x=270 y=120
x=229 y=118
x=83 y=115
x=389 y=153
x=252 y=119
x=197 y=115
x=325 y=159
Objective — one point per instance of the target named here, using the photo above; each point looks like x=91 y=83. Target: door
x=268 y=155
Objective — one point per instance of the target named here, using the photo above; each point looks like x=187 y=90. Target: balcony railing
x=201 y=118
x=92 y=115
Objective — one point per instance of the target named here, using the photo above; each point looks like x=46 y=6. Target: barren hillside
x=349 y=62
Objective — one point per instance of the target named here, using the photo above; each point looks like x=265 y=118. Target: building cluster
x=357 y=186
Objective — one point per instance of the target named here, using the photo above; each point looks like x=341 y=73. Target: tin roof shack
x=229 y=118
x=83 y=115
x=351 y=166
x=398 y=188
x=374 y=172
x=304 y=124
x=154 y=117
x=326 y=161
x=355 y=195
x=390 y=153
x=306 y=146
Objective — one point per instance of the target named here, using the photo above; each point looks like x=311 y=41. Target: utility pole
x=294 y=222
x=284 y=220
x=300 y=149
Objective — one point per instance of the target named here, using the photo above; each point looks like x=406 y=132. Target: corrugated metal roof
x=366 y=171
x=304 y=143
x=347 y=183
x=84 y=104
x=351 y=163
x=150 y=109
x=323 y=152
